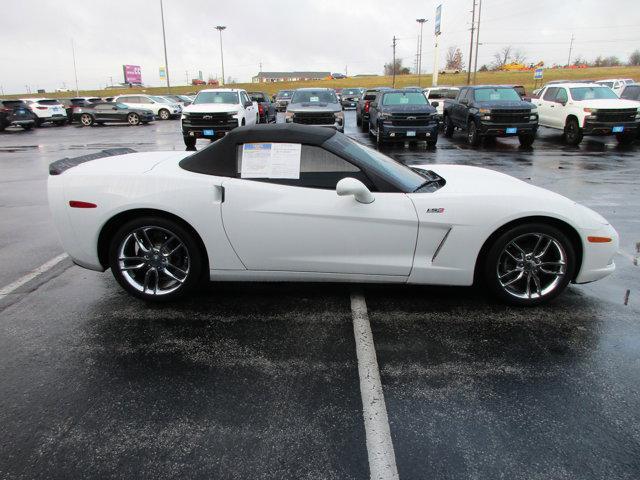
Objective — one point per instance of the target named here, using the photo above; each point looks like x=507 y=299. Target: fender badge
x=435 y=210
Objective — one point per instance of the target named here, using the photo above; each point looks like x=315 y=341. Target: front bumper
x=421 y=132
x=199 y=131
x=606 y=128
x=597 y=258
x=500 y=129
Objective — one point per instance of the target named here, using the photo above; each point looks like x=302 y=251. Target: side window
x=470 y=95
x=243 y=97
x=319 y=168
x=103 y=107
x=550 y=94
x=561 y=96
x=461 y=94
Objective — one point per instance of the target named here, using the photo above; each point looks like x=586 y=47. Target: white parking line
x=4 y=291
x=382 y=459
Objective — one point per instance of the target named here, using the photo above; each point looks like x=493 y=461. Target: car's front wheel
x=190 y=142
x=626 y=138
x=155 y=259
x=133 y=118
x=448 y=127
x=473 y=134
x=526 y=139
x=572 y=132
x=164 y=114
x=529 y=264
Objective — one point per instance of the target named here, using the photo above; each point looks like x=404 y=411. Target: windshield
x=350 y=91
x=632 y=92
x=606 y=84
x=592 y=93
x=443 y=93
x=216 y=97
x=314 y=96
x=404 y=98
x=257 y=97
x=493 y=94
x=48 y=102
x=401 y=176
x=161 y=99
x=284 y=94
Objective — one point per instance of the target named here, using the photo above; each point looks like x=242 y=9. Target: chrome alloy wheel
x=153 y=260
x=531 y=266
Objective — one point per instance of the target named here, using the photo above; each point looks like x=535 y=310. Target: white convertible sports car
x=300 y=203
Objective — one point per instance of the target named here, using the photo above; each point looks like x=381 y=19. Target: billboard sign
x=537 y=75
x=163 y=72
x=132 y=73
x=438 y=18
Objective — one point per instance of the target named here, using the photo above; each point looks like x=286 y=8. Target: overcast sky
x=326 y=35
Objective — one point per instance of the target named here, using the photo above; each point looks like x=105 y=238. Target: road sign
x=163 y=72
x=438 y=18
x=537 y=74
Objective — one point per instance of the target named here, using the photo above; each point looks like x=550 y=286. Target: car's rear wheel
x=358 y=121
x=27 y=127
x=86 y=120
x=164 y=114
x=155 y=259
x=473 y=134
x=379 y=137
x=529 y=264
x=572 y=133
x=38 y=122
x=448 y=127
x=133 y=118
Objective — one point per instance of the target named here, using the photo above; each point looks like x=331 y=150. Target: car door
x=249 y=108
x=546 y=105
x=373 y=110
x=148 y=104
x=459 y=110
x=302 y=225
x=100 y=113
x=558 y=115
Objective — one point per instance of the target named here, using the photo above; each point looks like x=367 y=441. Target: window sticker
x=271 y=160
x=314 y=99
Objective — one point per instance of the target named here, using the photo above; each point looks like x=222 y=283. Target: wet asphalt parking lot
x=261 y=381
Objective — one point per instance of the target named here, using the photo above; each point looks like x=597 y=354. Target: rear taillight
x=260 y=109
x=366 y=107
x=81 y=204
x=41 y=108
x=6 y=110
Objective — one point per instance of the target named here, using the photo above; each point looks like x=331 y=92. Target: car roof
x=233 y=90
x=611 y=80
x=574 y=84
x=313 y=89
x=221 y=156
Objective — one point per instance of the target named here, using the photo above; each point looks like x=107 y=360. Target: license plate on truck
x=411 y=134
x=208 y=133
x=617 y=129
x=512 y=130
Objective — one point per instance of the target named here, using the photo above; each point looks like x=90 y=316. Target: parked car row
x=133 y=109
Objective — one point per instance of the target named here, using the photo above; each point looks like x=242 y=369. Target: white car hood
x=607 y=103
x=212 y=108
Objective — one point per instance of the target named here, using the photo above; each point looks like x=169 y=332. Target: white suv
x=214 y=112
x=47 y=110
x=587 y=109
x=615 y=84
x=161 y=107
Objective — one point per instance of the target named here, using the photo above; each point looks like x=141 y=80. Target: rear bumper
x=422 y=132
x=606 y=128
x=500 y=129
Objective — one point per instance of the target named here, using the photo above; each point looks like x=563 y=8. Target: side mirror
x=435 y=104
x=464 y=101
x=351 y=186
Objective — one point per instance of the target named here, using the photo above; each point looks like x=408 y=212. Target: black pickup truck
x=401 y=115
x=489 y=111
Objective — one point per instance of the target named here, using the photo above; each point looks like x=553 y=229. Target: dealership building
x=268 y=77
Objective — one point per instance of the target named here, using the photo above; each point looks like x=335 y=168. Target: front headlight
x=533 y=110
x=591 y=110
x=485 y=110
x=184 y=116
x=288 y=116
x=339 y=116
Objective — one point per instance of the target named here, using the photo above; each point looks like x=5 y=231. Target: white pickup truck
x=214 y=112
x=587 y=109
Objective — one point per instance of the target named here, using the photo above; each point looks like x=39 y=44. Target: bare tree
x=518 y=56
x=634 y=58
x=454 y=59
x=400 y=70
x=502 y=57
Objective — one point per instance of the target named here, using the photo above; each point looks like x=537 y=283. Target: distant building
x=269 y=77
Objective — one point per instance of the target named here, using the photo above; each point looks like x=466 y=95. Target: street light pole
x=421 y=21
x=220 y=28
x=475 y=67
x=164 y=41
x=75 y=70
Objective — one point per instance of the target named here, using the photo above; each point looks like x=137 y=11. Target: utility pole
x=570 y=48
x=164 y=41
x=186 y=74
x=473 y=24
x=421 y=21
x=260 y=67
x=475 y=66
x=393 y=65
x=75 y=70
x=220 y=28
x=346 y=70
x=111 y=81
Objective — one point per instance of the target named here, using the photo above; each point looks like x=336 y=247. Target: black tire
x=145 y=123
x=61 y=124
x=448 y=127
x=133 y=119
x=572 y=132
x=527 y=235
x=379 y=137
x=473 y=134
x=2 y=127
x=86 y=120
x=625 y=138
x=526 y=139
x=432 y=143
x=188 y=259
x=27 y=127
x=37 y=122
x=358 y=120
x=365 y=124
x=164 y=114
x=190 y=142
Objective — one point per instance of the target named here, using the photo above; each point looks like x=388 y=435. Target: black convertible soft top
x=220 y=157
